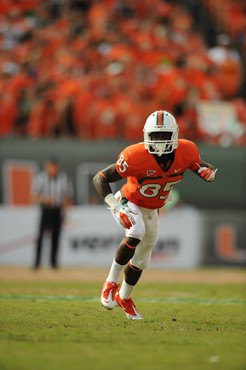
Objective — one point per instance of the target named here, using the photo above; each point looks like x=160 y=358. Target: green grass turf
x=61 y=325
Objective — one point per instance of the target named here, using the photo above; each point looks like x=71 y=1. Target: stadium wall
x=82 y=159
x=188 y=238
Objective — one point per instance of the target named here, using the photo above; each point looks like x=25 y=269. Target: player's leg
x=143 y=251
x=139 y=261
x=123 y=255
x=123 y=297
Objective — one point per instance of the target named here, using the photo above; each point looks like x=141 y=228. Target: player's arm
x=102 y=181
x=205 y=170
x=103 y=178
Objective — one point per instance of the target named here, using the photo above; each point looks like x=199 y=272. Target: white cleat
x=128 y=307
x=109 y=291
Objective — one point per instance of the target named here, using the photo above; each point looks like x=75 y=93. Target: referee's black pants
x=51 y=219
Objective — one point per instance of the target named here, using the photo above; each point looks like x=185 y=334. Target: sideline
x=205 y=275
x=224 y=301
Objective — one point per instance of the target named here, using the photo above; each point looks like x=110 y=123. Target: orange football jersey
x=147 y=184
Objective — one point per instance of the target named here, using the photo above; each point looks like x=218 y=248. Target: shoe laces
x=111 y=287
x=129 y=304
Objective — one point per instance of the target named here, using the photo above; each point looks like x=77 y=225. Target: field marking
x=225 y=301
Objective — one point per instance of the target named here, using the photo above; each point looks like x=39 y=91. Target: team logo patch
x=150 y=172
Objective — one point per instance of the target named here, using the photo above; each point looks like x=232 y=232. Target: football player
x=151 y=168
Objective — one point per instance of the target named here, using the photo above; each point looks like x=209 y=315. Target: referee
x=52 y=190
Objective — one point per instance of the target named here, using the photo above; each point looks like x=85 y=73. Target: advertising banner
x=90 y=238
x=225 y=239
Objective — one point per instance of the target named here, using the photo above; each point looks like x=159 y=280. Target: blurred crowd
x=93 y=69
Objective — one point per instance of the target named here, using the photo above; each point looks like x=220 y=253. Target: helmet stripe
x=159 y=118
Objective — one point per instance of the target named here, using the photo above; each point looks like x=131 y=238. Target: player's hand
x=207 y=174
x=124 y=215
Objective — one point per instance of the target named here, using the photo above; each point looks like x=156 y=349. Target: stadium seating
x=94 y=70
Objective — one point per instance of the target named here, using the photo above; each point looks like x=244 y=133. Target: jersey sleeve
x=125 y=164
x=195 y=157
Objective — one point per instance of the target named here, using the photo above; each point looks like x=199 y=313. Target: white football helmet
x=160 y=121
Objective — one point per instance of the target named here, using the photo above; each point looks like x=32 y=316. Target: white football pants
x=146 y=229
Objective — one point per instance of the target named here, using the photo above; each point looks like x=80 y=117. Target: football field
x=54 y=320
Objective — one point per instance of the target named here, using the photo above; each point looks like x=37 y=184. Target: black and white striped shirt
x=58 y=188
